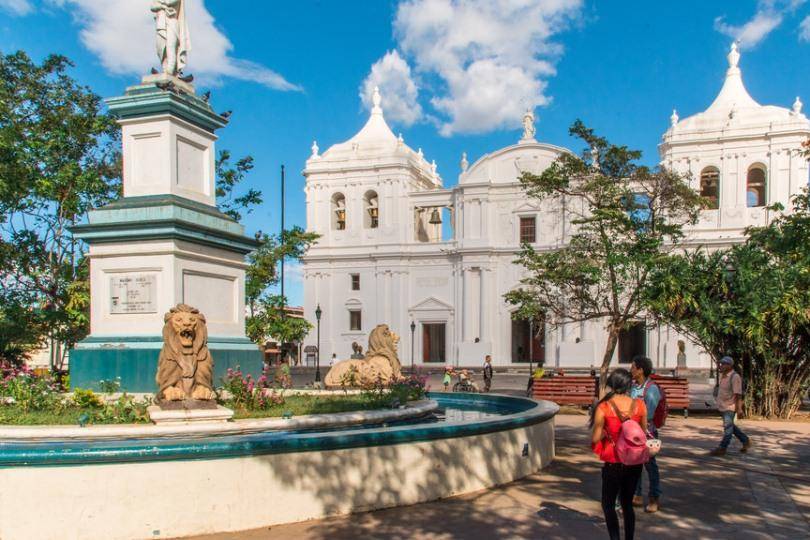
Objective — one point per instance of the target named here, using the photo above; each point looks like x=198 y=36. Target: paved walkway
x=764 y=494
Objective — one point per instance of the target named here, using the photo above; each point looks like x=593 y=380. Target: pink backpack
x=631 y=444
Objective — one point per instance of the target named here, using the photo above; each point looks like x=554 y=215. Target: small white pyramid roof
x=376 y=129
x=733 y=107
x=374 y=144
x=733 y=94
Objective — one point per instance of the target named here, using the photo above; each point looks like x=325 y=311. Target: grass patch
x=11 y=415
x=302 y=405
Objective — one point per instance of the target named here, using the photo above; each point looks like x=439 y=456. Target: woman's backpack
x=631 y=444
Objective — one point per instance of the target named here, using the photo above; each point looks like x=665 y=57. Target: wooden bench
x=566 y=390
x=677 y=391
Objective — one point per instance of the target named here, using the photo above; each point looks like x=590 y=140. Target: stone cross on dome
x=376 y=100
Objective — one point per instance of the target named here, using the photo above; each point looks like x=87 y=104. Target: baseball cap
x=727 y=360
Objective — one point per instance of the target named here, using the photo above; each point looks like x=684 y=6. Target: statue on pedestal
x=172 y=38
x=380 y=365
x=185 y=366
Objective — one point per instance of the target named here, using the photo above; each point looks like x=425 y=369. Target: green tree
x=266 y=316
x=623 y=217
x=228 y=179
x=58 y=159
x=752 y=302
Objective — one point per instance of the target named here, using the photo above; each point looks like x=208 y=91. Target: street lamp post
x=413 y=330
x=530 y=385
x=531 y=345
x=318 y=313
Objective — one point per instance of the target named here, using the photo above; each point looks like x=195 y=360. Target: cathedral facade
x=434 y=263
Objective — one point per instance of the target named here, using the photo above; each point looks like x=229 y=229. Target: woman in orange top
x=617 y=479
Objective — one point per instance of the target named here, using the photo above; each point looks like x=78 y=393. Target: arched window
x=371 y=219
x=338 y=212
x=710 y=186
x=755 y=186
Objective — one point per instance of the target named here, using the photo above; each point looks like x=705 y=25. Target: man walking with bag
x=729 y=398
x=644 y=388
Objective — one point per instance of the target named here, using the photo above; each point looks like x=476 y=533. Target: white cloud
x=17 y=7
x=804 y=29
x=768 y=17
x=484 y=61
x=121 y=33
x=398 y=90
x=293 y=273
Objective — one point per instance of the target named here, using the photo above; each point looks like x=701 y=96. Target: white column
x=485 y=306
x=388 y=278
x=472 y=304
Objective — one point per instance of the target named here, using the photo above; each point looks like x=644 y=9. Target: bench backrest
x=566 y=390
x=676 y=388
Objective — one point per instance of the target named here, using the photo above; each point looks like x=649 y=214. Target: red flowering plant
x=19 y=385
x=245 y=392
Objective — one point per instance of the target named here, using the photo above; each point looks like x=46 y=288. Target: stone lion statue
x=185 y=366
x=380 y=364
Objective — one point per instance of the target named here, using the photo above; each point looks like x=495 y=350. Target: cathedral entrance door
x=520 y=342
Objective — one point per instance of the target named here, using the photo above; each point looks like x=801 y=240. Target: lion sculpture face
x=382 y=338
x=184 y=324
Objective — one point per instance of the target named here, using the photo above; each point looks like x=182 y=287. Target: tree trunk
x=610 y=348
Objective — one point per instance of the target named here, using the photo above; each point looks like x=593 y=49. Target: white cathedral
x=434 y=263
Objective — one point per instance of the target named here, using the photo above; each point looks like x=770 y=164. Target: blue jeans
x=652 y=474
x=730 y=429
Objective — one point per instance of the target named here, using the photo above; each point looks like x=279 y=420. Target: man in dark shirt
x=487 y=373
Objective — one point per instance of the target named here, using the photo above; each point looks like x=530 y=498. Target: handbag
x=653 y=444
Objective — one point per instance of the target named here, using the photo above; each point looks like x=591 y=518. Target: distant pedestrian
x=644 y=388
x=448 y=377
x=333 y=360
x=729 y=398
x=608 y=418
x=487 y=373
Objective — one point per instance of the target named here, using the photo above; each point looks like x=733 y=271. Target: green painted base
x=136 y=362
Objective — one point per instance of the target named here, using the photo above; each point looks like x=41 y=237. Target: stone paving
x=762 y=495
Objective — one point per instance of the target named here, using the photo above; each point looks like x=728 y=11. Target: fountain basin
x=175 y=486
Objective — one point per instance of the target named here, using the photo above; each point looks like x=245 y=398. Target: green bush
x=125 y=410
x=110 y=386
x=87 y=399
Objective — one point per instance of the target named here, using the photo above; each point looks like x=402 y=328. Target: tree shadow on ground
x=740 y=497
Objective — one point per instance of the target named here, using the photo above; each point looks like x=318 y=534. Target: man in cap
x=729 y=397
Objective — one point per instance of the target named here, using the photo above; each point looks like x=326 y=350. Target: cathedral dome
x=734 y=109
x=374 y=145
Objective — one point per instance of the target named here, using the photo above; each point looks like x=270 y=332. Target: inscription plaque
x=133 y=293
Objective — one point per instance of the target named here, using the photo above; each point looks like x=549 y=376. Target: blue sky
x=455 y=74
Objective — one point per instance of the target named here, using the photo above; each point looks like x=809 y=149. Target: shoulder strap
x=616 y=410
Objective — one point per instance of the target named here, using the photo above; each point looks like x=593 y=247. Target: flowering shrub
x=249 y=394
x=26 y=390
x=411 y=388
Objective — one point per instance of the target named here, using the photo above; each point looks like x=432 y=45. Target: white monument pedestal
x=164 y=243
